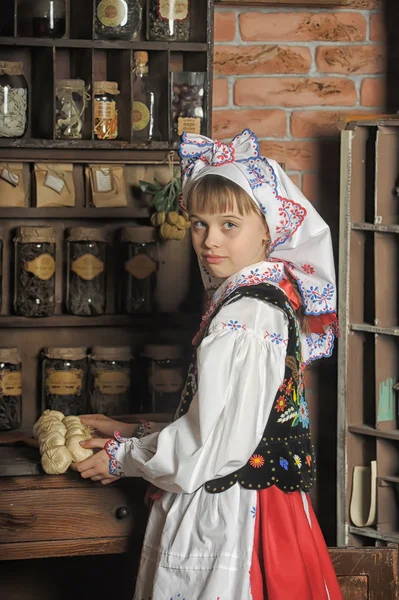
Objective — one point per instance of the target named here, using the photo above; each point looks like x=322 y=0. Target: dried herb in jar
x=110 y=380
x=168 y=21
x=188 y=103
x=165 y=371
x=117 y=19
x=34 y=293
x=64 y=380
x=10 y=389
x=105 y=110
x=140 y=263
x=86 y=284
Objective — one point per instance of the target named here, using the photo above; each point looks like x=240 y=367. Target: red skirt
x=290 y=558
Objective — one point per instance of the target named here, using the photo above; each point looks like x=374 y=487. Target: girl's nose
x=212 y=238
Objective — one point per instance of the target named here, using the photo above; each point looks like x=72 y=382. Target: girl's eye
x=229 y=226
x=199 y=225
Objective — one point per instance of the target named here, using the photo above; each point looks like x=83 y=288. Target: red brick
x=220 y=92
x=297 y=156
x=372 y=92
x=225 y=26
x=377 y=28
x=298 y=91
x=351 y=59
x=302 y=27
x=265 y=123
x=244 y=60
x=323 y=123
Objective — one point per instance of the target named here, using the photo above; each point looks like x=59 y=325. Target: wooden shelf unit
x=368 y=356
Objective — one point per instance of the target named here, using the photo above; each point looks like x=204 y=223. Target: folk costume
x=233 y=520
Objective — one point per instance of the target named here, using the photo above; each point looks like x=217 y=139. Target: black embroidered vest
x=284 y=457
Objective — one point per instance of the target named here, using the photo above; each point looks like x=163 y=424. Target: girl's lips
x=214 y=260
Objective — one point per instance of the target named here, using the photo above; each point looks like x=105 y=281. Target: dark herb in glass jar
x=10 y=389
x=64 y=378
x=165 y=372
x=140 y=263
x=188 y=103
x=168 y=21
x=110 y=380
x=117 y=19
x=86 y=283
x=34 y=288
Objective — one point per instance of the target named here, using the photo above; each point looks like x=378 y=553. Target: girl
x=232 y=519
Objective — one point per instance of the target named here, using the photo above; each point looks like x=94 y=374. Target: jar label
x=87 y=267
x=188 y=125
x=165 y=381
x=64 y=383
x=112 y=382
x=54 y=182
x=11 y=383
x=112 y=13
x=10 y=177
x=141 y=266
x=42 y=267
x=141 y=116
x=173 y=10
x=105 y=110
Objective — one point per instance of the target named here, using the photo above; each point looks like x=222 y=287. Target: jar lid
x=87 y=234
x=106 y=87
x=65 y=353
x=10 y=356
x=77 y=85
x=122 y=353
x=139 y=235
x=26 y=235
x=11 y=68
x=162 y=352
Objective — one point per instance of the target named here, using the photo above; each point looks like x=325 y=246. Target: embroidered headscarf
x=300 y=239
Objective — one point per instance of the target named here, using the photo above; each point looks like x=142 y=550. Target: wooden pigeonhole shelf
x=368 y=307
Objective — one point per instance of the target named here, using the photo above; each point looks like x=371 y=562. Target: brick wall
x=290 y=74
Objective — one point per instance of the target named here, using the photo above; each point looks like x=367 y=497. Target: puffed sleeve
x=241 y=365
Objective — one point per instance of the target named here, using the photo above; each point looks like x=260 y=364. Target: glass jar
x=48 y=18
x=64 y=380
x=105 y=110
x=165 y=372
x=168 y=21
x=86 y=279
x=13 y=100
x=34 y=282
x=188 y=103
x=110 y=380
x=117 y=19
x=140 y=263
x=10 y=389
x=70 y=104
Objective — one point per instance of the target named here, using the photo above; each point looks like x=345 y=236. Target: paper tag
x=43 y=267
x=11 y=383
x=188 y=125
x=54 y=182
x=141 y=266
x=104 y=110
x=87 y=267
x=64 y=383
x=12 y=178
x=103 y=181
x=113 y=382
x=173 y=10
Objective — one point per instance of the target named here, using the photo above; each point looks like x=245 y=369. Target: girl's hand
x=106 y=426
x=96 y=467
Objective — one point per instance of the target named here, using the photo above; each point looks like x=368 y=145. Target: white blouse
x=241 y=364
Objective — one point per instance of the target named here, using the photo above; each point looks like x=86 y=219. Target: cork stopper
x=87 y=234
x=162 y=352
x=141 y=57
x=106 y=87
x=10 y=356
x=65 y=353
x=139 y=235
x=27 y=235
x=11 y=68
x=121 y=353
x=75 y=85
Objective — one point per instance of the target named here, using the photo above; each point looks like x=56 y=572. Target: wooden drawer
x=45 y=516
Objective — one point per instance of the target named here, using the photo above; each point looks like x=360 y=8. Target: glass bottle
x=34 y=287
x=70 y=105
x=105 y=110
x=86 y=283
x=145 y=100
x=110 y=380
x=13 y=100
x=117 y=19
x=140 y=263
x=48 y=18
x=168 y=20
x=64 y=377
x=165 y=373
x=10 y=389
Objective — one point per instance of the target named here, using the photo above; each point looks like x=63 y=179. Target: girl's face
x=227 y=243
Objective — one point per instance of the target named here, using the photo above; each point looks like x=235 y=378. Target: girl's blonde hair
x=215 y=194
